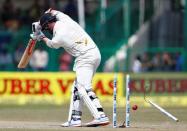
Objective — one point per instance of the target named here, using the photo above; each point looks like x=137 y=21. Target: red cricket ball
x=134 y=107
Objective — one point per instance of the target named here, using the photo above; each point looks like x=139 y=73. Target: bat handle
x=33 y=42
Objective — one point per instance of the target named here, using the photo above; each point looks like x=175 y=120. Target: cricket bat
x=27 y=54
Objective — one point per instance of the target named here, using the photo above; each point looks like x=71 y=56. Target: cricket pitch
x=49 y=117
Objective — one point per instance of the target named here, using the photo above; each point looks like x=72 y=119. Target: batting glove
x=36 y=27
x=37 y=36
x=49 y=10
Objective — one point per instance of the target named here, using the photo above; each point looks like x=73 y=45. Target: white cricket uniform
x=70 y=35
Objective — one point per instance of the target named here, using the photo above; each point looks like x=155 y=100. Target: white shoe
x=72 y=123
x=102 y=121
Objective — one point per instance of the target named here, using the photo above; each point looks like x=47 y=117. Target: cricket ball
x=134 y=107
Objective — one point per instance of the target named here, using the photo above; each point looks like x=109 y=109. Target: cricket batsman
x=70 y=35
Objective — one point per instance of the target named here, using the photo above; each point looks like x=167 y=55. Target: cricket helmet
x=46 y=19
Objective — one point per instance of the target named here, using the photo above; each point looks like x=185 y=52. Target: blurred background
x=145 y=38
x=133 y=35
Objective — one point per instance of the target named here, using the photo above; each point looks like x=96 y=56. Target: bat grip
x=31 y=45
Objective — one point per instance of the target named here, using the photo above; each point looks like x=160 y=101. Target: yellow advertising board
x=50 y=88
x=167 y=89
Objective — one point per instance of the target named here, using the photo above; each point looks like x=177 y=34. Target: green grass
x=49 y=117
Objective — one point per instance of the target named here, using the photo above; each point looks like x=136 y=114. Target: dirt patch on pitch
x=49 y=126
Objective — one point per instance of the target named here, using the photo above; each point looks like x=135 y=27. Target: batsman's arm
x=51 y=43
x=27 y=54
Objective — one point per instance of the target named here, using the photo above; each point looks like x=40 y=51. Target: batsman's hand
x=36 y=27
x=37 y=35
x=49 y=10
x=53 y=12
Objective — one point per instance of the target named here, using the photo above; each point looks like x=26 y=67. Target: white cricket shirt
x=70 y=35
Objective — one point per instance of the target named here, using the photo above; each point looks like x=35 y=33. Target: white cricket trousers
x=85 y=67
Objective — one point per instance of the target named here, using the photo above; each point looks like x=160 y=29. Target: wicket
x=163 y=111
x=157 y=106
x=127 y=120
x=127 y=114
x=114 y=102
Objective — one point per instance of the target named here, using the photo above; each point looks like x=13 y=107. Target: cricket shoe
x=72 y=123
x=102 y=121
